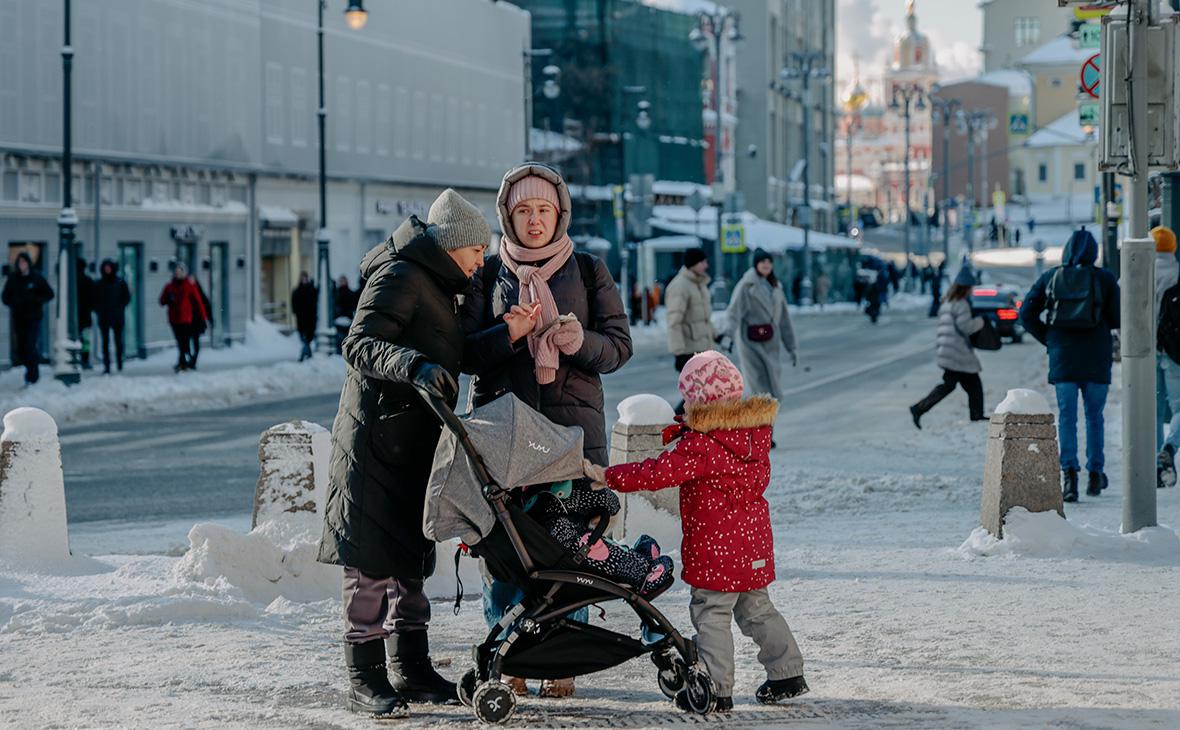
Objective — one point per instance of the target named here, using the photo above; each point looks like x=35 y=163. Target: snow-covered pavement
x=902 y=620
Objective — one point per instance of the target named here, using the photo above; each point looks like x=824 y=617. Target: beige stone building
x=1013 y=28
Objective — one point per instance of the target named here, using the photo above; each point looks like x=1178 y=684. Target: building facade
x=985 y=166
x=1013 y=28
x=195 y=137
x=770 y=142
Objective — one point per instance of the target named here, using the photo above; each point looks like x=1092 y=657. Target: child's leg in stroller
x=712 y=617
x=758 y=619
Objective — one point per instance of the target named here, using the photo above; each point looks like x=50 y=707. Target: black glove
x=435 y=380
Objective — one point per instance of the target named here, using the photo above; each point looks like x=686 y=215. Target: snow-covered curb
x=1047 y=535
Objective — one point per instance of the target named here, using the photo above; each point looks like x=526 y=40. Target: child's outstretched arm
x=669 y=469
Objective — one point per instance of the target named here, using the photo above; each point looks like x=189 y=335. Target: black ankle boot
x=778 y=690
x=1069 y=485
x=1096 y=483
x=412 y=673
x=369 y=691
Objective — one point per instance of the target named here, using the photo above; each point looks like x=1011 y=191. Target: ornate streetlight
x=64 y=369
x=854 y=101
x=356 y=17
x=945 y=110
x=907 y=97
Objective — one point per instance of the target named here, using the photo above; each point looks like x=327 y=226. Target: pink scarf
x=549 y=337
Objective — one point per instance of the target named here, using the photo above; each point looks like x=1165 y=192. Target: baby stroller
x=479 y=463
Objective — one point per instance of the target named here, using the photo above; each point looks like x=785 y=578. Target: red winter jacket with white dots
x=722 y=465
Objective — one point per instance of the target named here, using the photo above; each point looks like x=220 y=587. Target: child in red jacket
x=722 y=465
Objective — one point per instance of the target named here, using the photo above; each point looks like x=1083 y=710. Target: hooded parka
x=689 y=313
x=755 y=302
x=575 y=396
x=384 y=436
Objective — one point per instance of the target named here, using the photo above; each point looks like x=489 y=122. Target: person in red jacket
x=185 y=311
x=721 y=463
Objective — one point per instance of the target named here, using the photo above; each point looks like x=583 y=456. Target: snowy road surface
x=900 y=627
x=136 y=486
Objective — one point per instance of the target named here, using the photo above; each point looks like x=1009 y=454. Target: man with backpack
x=1167 y=293
x=1081 y=307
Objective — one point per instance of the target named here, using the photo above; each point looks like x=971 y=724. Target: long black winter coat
x=303 y=303
x=384 y=436
x=26 y=296
x=574 y=398
x=1076 y=356
x=111 y=297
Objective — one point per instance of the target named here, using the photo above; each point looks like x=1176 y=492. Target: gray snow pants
x=374 y=607
x=713 y=613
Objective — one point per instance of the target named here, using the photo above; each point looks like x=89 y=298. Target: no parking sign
x=1091 y=75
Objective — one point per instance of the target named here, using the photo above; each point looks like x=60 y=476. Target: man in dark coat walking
x=1080 y=358
x=405 y=339
x=303 y=303
x=111 y=297
x=344 y=307
x=25 y=293
x=85 y=306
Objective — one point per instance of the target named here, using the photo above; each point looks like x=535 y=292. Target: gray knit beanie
x=457 y=223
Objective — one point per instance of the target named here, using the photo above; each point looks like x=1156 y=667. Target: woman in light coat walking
x=956 y=355
x=760 y=324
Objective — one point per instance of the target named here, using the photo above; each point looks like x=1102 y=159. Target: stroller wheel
x=494 y=702
x=466 y=687
x=698 y=695
x=670 y=678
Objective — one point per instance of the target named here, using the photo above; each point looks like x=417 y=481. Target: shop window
x=1042 y=172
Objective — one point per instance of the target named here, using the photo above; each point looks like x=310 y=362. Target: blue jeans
x=1093 y=400
x=1172 y=386
x=499 y=596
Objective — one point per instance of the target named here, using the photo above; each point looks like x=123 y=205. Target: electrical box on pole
x=1114 y=124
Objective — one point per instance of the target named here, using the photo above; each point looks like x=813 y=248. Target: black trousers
x=107 y=329
x=28 y=340
x=184 y=335
x=195 y=333
x=970 y=382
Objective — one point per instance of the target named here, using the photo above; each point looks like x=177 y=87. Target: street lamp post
x=944 y=110
x=64 y=369
x=905 y=98
x=974 y=124
x=804 y=67
x=854 y=100
x=707 y=36
x=527 y=56
x=356 y=17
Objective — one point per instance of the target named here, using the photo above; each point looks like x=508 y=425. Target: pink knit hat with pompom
x=710 y=376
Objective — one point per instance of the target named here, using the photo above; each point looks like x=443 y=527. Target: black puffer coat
x=384 y=436
x=574 y=398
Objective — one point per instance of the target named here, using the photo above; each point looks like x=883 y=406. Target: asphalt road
x=137 y=486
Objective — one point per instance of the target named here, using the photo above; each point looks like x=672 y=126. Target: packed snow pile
x=1047 y=535
x=29 y=425
x=1024 y=402
x=645 y=410
x=277 y=559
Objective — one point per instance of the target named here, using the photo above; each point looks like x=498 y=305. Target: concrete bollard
x=639 y=435
x=1021 y=469
x=293 y=470
x=32 y=490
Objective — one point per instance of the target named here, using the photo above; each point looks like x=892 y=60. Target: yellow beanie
x=1165 y=239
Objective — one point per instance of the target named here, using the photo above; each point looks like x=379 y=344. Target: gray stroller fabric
x=519 y=447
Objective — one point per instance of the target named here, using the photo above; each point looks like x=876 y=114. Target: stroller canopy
x=519 y=447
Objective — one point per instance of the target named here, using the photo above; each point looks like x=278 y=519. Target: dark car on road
x=1002 y=304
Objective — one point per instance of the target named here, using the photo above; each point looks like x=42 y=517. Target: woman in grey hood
x=760 y=324
x=554 y=367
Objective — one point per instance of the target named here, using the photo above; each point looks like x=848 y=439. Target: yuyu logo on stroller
x=475 y=494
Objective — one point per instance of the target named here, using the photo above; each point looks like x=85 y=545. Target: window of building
x=299 y=111
x=274 y=103
x=132 y=191
x=237 y=193
x=384 y=120
x=364 y=117
x=1042 y=172
x=436 y=127
x=343 y=113
x=10 y=188
x=53 y=188
x=30 y=187
x=401 y=121
x=1028 y=31
x=106 y=188
x=452 y=141
x=1079 y=171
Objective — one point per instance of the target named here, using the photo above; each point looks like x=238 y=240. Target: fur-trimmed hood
x=754 y=412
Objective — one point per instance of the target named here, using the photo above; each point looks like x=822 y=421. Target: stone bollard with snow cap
x=639 y=435
x=293 y=470
x=32 y=490
x=1022 y=460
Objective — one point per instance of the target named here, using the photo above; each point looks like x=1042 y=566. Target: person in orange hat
x=1167 y=386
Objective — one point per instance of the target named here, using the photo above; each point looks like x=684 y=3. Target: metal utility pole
x=805 y=66
x=1138 y=269
x=904 y=98
x=64 y=369
x=707 y=36
x=945 y=110
x=528 y=55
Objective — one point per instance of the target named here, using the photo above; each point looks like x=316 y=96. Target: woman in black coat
x=111 y=297
x=304 y=299
x=405 y=338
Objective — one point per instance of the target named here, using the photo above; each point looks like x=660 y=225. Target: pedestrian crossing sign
x=733 y=238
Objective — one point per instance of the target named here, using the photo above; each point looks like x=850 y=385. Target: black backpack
x=1074 y=298
x=491 y=270
x=1168 y=329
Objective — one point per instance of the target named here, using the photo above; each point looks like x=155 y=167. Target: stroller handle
x=453 y=424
